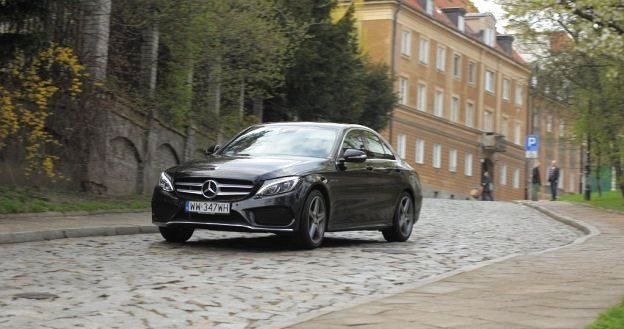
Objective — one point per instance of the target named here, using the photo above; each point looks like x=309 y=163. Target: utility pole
x=587 y=191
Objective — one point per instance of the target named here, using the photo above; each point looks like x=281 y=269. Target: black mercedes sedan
x=297 y=178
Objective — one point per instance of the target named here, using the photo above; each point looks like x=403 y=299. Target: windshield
x=283 y=140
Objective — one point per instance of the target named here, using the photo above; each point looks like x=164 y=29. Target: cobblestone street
x=235 y=280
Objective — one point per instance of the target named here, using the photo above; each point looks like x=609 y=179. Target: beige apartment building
x=462 y=94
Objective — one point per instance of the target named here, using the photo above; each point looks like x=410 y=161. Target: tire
x=312 y=222
x=176 y=234
x=403 y=220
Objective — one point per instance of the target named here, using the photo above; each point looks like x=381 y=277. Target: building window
x=401 y=142
x=549 y=120
x=453 y=160
x=441 y=59
x=438 y=103
x=489 y=37
x=519 y=95
x=423 y=51
x=454 y=109
x=518 y=133
x=461 y=23
x=469 y=119
x=472 y=72
x=488 y=122
x=456 y=66
x=504 y=129
x=571 y=183
x=561 y=177
x=503 y=175
x=422 y=97
x=489 y=81
x=406 y=43
x=403 y=88
x=437 y=156
x=506 y=89
x=468 y=164
x=516 y=178
x=429 y=7
x=561 y=128
x=420 y=151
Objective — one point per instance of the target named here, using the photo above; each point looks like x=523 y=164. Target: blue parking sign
x=531 y=146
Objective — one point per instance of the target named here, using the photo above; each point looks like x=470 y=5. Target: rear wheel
x=176 y=233
x=403 y=220
x=313 y=221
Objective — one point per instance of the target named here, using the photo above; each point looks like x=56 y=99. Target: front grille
x=190 y=188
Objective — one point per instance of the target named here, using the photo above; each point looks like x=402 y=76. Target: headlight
x=165 y=182
x=278 y=186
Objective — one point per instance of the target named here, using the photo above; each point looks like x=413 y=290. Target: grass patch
x=609 y=200
x=15 y=200
x=613 y=318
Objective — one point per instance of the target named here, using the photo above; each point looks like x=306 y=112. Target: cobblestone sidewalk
x=564 y=287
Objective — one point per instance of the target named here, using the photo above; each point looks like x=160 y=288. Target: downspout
x=392 y=61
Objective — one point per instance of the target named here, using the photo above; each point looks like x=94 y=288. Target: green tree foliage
x=330 y=79
x=580 y=50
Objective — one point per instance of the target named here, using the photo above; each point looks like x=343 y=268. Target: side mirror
x=212 y=149
x=353 y=155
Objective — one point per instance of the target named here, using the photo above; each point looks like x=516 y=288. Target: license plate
x=207 y=207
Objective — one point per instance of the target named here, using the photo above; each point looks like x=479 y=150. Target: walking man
x=536 y=181
x=486 y=183
x=553 y=179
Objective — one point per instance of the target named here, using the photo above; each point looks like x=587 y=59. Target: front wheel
x=403 y=220
x=176 y=233
x=313 y=221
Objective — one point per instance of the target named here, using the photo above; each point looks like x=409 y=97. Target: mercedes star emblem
x=210 y=189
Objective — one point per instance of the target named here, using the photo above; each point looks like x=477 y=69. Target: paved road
x=232 y=280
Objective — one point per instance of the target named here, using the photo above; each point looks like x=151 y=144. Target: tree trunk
x=241 y=101
x=258 y=108
x=149 y=59
x=96 y=28
x=214 y=92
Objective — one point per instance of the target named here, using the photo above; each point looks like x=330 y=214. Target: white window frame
x=457 y=66
x=406 y=43
x=560 y=184
x=403 y=90
x=453 y=160
x=401 y=145
x=441 y=58
x=504 y=126
x=472 y=72
x=561 y=128
x=454 y=116
x=516 y=178
x=437 y=156
x=489 y=81
x=420 y=151
x=549 y=121
x=518 y=133
x=571 y=182
x=422 y=97
x=429 y=7
x=488 y=120
x=506 y=89
x=423 y=50
x=438 y=103
x=519 y=95
x=461 y=23
x=468 y=164
x=488 y=36
x=503 y=175
x=470 y=112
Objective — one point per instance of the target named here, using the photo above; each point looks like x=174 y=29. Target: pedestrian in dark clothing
x=553 y=179
x=487 y=187
x=536 y=182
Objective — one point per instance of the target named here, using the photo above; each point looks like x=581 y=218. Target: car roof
x=332 y=125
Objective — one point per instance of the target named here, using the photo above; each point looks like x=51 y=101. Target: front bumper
x=274 y=214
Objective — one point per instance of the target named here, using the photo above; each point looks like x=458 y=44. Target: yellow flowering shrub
x=31 y=84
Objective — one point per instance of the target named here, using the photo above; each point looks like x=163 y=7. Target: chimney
x=456 y=15
x=506 y=42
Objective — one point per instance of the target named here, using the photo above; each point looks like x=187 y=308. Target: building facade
x=463 y=100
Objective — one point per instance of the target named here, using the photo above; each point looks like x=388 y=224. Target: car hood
x=249 y=168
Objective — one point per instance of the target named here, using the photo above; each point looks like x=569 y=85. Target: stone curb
x=588 y=229
x=32 y=236
x=73 y=213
